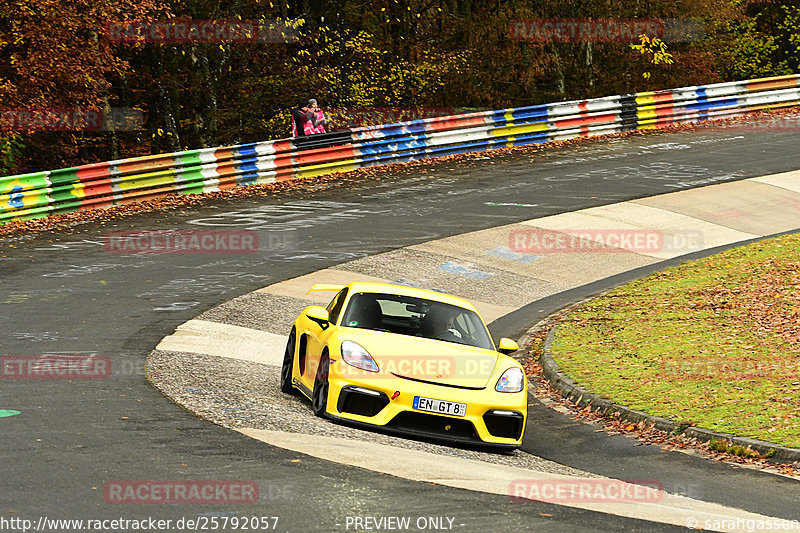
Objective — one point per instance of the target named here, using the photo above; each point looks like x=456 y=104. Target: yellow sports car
x=407 y=360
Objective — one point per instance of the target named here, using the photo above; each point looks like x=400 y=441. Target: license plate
x=443 y=407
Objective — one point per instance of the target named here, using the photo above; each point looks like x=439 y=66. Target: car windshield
x=418 y=317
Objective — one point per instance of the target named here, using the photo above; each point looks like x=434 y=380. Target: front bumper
x=492 y=417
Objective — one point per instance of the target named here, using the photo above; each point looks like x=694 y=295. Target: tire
x=288 y=365
x=319 y=398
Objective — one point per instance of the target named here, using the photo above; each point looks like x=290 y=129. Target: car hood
x=427 y=360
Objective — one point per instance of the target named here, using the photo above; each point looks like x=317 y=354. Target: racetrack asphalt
x=63 y=293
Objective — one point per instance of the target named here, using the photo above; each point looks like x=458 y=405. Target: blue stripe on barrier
x=498 y=116
x=710 y=104
x=531 y=139
x=248 y=165
x=247 y=179
x=383 y=146
x=15 y=198
x=538 y=112
x=246 y=149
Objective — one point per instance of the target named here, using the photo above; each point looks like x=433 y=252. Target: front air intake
x=361 y=401
x=504 y=424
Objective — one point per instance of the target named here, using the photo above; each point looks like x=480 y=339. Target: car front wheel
x=287 y=366
x=319 y=401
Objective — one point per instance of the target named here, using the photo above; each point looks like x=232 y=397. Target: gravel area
x=258 y=310
x=241 y=394
x=497 y=287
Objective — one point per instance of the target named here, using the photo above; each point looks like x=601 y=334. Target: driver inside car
x=438 y=324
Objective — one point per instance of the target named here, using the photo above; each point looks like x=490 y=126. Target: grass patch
x=715 y=341
x=737 y=449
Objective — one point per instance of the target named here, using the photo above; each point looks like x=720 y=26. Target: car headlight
x=355 y=355
x=512 y=380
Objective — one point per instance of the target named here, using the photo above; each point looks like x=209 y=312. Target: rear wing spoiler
x=324 y=287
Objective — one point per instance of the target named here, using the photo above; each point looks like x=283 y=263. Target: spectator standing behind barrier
x=303 y=120
x=319 y=117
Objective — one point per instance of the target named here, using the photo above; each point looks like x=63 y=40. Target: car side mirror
x=318 y=314
x=507 y=346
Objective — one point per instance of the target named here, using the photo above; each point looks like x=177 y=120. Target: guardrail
x=124 y=181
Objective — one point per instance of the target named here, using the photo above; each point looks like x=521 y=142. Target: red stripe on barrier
x=223 y=154
x=449 y=123
x=664 y=122
x=324 y=155
x=284 y=174
x=96 y=188
x=227 y=182
x=93 y=171
x=282 y=146
x=586 y=120
x=665 y=111
x=93 y=203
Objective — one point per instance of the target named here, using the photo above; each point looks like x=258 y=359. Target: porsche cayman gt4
x=406 y=360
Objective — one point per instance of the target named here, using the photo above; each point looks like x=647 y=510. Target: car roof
x=403 y=290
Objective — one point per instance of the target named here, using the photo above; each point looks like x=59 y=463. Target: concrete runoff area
x=769 y=208
x=226 y=340
x=644 y=503
x=784 y=180
x=459 y=265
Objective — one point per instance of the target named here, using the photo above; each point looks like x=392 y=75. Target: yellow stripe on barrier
x=645 y=99
x=327 y=168
x=506 y=131
x=151 y=179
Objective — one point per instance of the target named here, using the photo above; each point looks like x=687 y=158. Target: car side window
x=335 y=307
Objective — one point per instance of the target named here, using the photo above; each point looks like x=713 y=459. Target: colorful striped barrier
x=40 y=194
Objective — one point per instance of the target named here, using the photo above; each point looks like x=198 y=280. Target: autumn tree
x=52 y=56
x=348 y=54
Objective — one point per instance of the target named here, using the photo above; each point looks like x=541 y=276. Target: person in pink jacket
x=319 y=117
x=303 y=120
